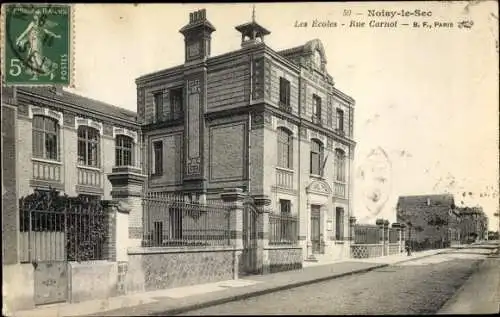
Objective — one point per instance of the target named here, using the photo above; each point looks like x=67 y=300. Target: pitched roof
x=425 y=200
x=82 y=102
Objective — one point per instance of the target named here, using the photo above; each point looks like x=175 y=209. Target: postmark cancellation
x=37 y=44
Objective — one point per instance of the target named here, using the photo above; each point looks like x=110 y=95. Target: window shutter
x=290 y=151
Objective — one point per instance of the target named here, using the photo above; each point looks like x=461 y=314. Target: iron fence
x=61 y=228
x=283 y=229
x=393 y=235
x=178 y=220
x=366 y=234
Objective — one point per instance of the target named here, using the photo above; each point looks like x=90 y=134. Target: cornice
x=77 y=110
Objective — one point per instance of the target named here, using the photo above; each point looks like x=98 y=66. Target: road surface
x=416 y=287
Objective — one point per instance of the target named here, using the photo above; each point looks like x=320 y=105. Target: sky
x=427 y=97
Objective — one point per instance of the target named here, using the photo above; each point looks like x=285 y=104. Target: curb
x=220 y=301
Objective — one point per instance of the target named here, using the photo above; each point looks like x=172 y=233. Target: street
x=416 y=287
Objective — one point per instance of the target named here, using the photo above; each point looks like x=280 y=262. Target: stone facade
x=63 y=171
x=233 y=107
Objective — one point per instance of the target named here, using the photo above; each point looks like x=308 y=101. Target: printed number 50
x=15 y=67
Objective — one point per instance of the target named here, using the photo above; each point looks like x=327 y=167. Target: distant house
x=432 y=220
x=474 y=224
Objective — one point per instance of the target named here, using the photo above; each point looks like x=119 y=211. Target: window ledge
x=317 y=176
x=36 y=159
x=284 y=169
x=97 y=169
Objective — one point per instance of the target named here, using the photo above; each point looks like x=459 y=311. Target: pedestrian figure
x=408 y=248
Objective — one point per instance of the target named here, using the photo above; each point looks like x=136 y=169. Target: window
x=339 y=223
x=124 y=150
x=45 y=138
x=158 y=103
x=285 y=149
x=157 y=168
x=285 y=207
x=340 y=120
x=284 y=94
x=176 y=103
x=287 y=223
x=316 y=157
x=88 y=146
x=340 y=166
x=89 y=198
x=316 y=109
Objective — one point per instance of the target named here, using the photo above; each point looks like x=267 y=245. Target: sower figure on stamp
x=35 y=33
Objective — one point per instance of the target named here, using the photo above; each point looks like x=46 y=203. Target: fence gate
x=54 y=230
x=249 y=256
x=51 y=282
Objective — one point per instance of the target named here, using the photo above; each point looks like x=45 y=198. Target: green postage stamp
x=37 y=41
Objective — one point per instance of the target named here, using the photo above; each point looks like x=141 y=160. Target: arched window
x=316 y=158
x=124 y=149
x=45 y=138
x=340 y=165
x=88 y=146
x=285 y=148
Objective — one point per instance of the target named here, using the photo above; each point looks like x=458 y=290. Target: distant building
x=432 y=220
x=269 y=122
x=474 y=224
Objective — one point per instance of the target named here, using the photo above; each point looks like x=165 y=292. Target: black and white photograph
x=267 y=158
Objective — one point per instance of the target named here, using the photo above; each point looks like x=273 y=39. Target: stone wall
x=283 y=258
x=161 y=268
x=92 y=280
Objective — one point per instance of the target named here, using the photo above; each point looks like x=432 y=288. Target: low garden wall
x=161 y=268
x=283 y=258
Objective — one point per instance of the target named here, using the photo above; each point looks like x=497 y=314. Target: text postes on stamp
x=37 y=44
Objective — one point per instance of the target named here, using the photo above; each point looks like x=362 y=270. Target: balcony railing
x=169 y=116
x=46 y=171
x=284 y=178
x=339 y=189
x=88 y=176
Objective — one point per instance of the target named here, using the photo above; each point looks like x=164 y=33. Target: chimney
x=197 y=36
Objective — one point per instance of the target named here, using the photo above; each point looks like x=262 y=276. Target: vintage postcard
x=336 y=158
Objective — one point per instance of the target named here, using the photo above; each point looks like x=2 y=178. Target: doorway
x=315 y=229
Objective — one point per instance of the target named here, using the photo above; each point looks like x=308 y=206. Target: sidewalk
x=481 y=292
x=178 y=300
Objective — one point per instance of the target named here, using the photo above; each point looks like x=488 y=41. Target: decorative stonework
x=140 y=105
x=193 y=160
x=319 y=187
x=267 y=78
x=257 y=120
x=69 y=119
x=258 y=76
x=303 y=132
x=123 y=131
x=108 y=129
x=303 y=99
x=329 y=143
x=268 y=119
x=33 y=111
x=90 y=123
